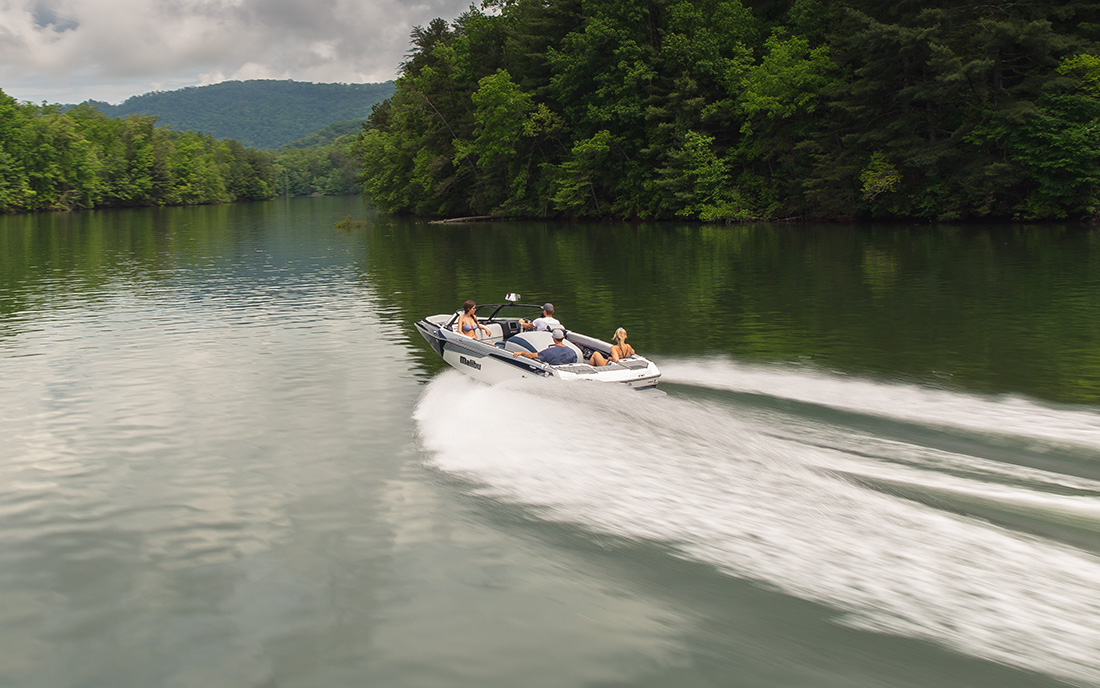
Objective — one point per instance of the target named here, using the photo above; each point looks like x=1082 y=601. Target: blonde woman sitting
x=620 y=349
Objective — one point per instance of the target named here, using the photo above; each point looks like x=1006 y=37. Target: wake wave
x=731 y=492
x=1010 y=416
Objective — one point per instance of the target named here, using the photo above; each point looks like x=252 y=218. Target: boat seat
x=497 y=332
x=535 y=341
x=495 y=328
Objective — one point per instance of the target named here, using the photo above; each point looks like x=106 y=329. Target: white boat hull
x=492 y=360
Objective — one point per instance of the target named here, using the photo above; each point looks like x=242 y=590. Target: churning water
x=871 y=525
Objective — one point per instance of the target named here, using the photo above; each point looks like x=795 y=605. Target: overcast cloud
x=67 y=51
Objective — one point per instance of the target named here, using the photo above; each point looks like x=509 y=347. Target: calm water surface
x=226 y=458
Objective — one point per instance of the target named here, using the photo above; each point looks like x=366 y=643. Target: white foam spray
x=1010 y=416
x=727 y=491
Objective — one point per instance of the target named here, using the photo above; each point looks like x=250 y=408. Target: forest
x=734 y=110
x=55 y=158
x=260 y=113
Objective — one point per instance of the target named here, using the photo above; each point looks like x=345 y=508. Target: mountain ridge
x=261 y=113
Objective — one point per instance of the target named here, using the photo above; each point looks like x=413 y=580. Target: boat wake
x=799 y=504
x=1007 y=416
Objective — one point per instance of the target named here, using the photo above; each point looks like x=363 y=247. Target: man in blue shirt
x=555 y=354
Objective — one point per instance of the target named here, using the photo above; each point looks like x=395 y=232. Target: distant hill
x=326 y=135
x=263 y=113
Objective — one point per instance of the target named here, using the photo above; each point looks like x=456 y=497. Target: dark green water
x=997 y=309
x=227 y=459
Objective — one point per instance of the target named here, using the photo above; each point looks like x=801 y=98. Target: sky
x=69 y=51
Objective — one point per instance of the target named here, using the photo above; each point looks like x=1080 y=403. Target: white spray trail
x=724 y=491
x=1012 y=416
x=1044 y=494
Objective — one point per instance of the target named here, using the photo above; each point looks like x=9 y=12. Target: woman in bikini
x=467 y=322
x=620 y=349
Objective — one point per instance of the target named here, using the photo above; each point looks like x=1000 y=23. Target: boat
x=490 y=359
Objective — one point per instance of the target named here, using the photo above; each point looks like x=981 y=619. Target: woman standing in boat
x=620 y=349
x=467 y=322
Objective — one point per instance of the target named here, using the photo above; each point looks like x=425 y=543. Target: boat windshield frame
x=497 y=308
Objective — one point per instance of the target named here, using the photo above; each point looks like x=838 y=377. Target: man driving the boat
x=544 y=324
x=555 y=354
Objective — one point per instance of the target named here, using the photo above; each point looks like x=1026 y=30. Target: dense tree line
x=261 y=113
x=742 y=109
x=57 y=159
x=326 y=170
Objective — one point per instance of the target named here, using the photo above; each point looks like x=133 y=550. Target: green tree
x=15 y=191
x=582 y=183
x=1059 y=145
x=718 y=109
x=500 y=115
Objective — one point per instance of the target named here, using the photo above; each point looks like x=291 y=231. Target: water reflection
x=209 y=474
x=996 y=309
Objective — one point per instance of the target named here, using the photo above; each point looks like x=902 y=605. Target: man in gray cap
x=544 y=324
x=555 y=354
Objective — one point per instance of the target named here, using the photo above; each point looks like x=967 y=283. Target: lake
x=227 y=458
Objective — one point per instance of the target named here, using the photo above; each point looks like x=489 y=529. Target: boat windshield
x=509 y=311
x=502 y=311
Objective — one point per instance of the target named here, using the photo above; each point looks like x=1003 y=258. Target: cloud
x=70 y=46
